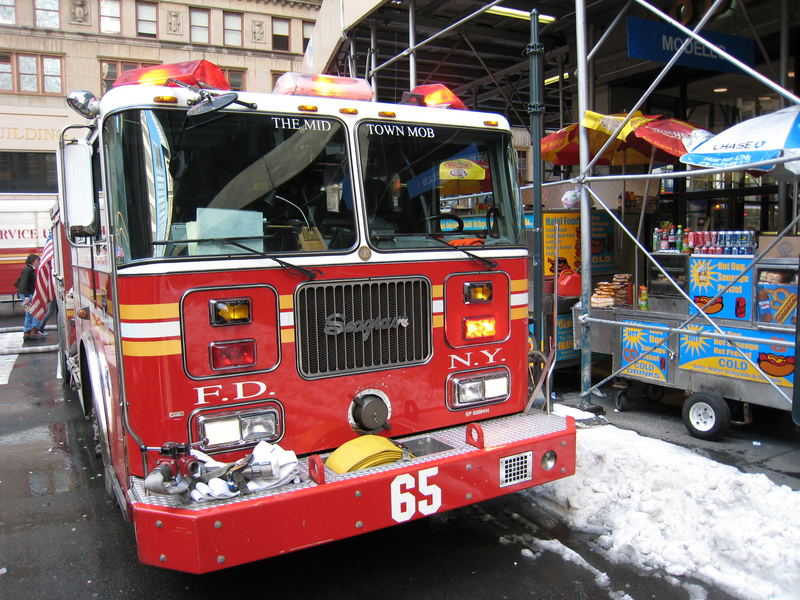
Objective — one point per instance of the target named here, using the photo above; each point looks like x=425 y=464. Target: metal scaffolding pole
x=412 y=42
x=536 y=113
x=373 y=51
x=586 y=207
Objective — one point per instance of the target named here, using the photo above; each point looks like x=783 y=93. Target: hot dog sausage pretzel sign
x=717 y=357
x=710 y=275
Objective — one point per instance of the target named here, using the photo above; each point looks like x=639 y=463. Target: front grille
x=516 y=468
x=371 y=325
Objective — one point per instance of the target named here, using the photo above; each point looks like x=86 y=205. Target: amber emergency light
x=479 y=327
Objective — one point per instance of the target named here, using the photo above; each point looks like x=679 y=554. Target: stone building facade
x=51 y=47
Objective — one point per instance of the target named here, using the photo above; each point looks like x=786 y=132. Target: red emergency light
x=433 y=95
x=325 y=86
x=195 y=72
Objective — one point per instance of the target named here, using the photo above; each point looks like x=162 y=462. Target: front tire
x=706 y=415
x=620 y=400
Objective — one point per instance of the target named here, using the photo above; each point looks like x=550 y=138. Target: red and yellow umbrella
x=563 y=146
x=632 y=146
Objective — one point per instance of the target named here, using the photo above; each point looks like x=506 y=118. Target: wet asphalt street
x=62 y=537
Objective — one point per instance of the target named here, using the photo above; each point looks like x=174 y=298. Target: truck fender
x=95 y=390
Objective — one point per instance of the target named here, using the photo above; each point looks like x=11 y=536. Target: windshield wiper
x=488 y=262
x=308 y=273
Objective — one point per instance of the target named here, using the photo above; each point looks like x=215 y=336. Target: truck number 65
x=405 y=503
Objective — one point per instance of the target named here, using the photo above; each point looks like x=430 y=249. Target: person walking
x=26 y=286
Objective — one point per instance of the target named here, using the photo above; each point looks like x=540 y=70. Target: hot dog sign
x=708 y=276
x=718 y=357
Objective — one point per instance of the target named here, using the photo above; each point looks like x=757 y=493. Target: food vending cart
x=757 y=311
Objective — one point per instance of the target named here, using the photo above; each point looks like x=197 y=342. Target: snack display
x=612 y=293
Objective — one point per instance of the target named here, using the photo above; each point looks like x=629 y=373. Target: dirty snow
x=665 y=509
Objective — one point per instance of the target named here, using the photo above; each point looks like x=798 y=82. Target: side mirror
x=77 y=188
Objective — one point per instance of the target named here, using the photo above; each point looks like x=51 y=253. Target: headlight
x=236 y=429
x=472 y=389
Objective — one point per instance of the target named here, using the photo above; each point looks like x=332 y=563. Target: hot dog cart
x=758 y=312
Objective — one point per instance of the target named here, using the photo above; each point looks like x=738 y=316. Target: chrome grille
x=516 y=468
x=385 y=345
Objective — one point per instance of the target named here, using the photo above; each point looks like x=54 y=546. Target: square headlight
x=259 y=426
x=221 y=432
x=483 y=388
x=237 y=429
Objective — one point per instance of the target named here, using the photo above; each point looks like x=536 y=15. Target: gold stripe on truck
x=156 y=348
x=147 y=312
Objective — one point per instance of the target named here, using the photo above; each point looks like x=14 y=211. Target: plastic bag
x=571 y=198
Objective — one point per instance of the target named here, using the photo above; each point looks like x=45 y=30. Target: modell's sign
x=336 y=323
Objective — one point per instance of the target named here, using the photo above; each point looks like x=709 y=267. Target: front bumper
x=467 y=464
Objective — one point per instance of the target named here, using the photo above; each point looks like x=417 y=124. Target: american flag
x=44 y=292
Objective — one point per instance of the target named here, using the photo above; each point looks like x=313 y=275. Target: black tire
x=654 y=393
x=706 y=415
x=620 y=400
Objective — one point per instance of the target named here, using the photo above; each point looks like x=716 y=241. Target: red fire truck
x=284 y=330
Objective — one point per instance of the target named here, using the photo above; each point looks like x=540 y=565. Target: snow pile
x=665 y=508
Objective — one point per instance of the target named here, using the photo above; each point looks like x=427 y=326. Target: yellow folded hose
x=363 y=452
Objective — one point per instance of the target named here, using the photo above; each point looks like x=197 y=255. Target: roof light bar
x=195 y=72
x=326 y=86
x=433 y=95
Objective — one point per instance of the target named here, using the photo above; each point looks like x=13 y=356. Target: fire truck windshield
x=428 y=183
x=186 y=186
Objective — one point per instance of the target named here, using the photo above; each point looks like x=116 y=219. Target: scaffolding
x=584 y=179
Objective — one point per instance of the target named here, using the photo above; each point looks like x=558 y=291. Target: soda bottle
x=671 y=237
x=664 y=243
x=656 y=239
x=679 y=239
x=643 y=297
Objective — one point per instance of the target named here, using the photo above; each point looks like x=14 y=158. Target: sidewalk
x=770 y=445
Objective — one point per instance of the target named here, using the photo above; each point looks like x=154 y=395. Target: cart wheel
x=654 y=393
x=620 y=400
x=706 y=415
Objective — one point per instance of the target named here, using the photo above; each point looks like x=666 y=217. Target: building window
x=46 y=14
x=198 y=26
x=111 y=69
x=280 y=34
x=232 y=29
x=275 y=76
x=146 y=19
x=235 y=79
x=30 y=74
x=522 y=166
x=308 y=29
x=8 y=12
x=110 y=16
x=28 y=173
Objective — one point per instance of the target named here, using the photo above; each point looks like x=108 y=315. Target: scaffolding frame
x=584 y=179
